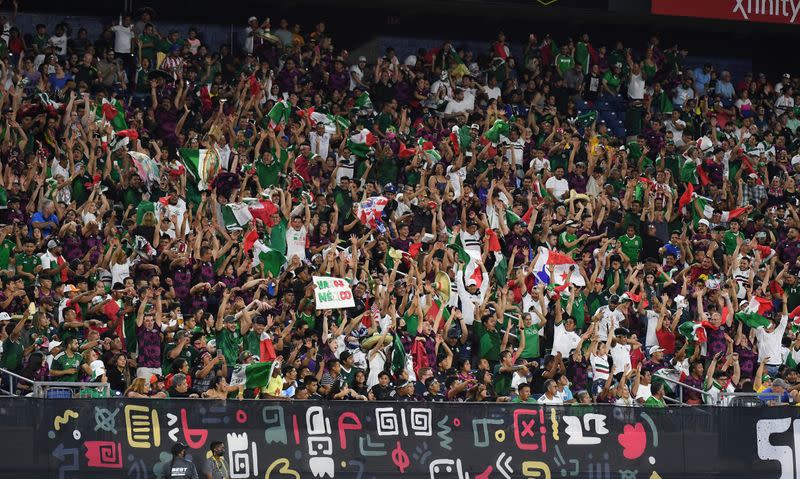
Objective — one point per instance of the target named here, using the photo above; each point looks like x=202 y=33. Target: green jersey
x=729 y=240
x=489 y=342
x=277 y=237
x=28 y=263
x=652 y=401
x=62 y=362
x=531 y=350
x=502 y=381
x=564 y=63
x=631 y=247
x=230 y=343
x=12 y=355
x=613 y=81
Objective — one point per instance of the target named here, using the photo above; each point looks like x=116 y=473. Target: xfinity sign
x=767 y=11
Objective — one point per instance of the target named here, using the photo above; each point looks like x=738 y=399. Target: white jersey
x=296 y=243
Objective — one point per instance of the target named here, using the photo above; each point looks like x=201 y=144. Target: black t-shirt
x=537 y=381
x=428 y=396
x=382 y=393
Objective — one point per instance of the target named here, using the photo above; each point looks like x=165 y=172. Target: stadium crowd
x=581 y=223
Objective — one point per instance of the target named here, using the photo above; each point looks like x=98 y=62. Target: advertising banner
x=767 y=11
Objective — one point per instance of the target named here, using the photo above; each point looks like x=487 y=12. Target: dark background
x=353 y=22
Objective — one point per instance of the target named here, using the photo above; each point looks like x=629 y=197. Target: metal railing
x=9 y=380
x=68 y=390
x=679 y=400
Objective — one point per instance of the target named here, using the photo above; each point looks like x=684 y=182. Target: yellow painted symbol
x=500 y=435
x=554 y=422
x=142 y=426
x=284 y=469
x=536 y=469
x=655 y=475
x=63 y=419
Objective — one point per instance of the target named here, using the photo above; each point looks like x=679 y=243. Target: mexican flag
x=253 y=375
x=363 y=103
x=429 y=150
x=331 y=122
x=361 y=143
x=585 y=119
x=500 y=127
x=398 y=354
x=458 y=247
x=436 y=305
x=461 y=138
x=262 y=210
x=753 y=320
x=279 y=114
x=266 y=348
x=48 y=102
x=235 y=216
x=511 y=218
x=759 y=305
x=271 y=260
x=113 y=112
x=203 y=164
x=693 y=332
x=702 y=209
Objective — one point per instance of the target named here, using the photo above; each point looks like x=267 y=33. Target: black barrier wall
x=301 y=439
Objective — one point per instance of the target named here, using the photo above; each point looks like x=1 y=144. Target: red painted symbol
x=400 y=458
x=633 y=441
x=485 y=474
x=525 y=422
x=105 y=454
x=354 y=425
x=241 y=416
x=195 y=438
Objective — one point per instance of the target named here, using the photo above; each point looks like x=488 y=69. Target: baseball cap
x=362 y=58
x=389 y=188
x=753 y=176
x=404 y=384
x=53 y=244
x=53 y=345
x=68 y=288
x=345 y=354
x=5 y=316
x=252 y=19
x=230 y=318
x=613 y=299
x=178 y=448
x=780 y=383
x=795 y=159
x=655 y=349
x=704 y=222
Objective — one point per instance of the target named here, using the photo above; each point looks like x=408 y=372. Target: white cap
x=5 y=316
x=704 y=222
x=53 y=345
x=362 y=58
x=795 y=159
x=410 y=61
x=252 y=19
x=656 y=349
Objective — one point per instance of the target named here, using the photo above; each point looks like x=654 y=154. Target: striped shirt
x=600 y=367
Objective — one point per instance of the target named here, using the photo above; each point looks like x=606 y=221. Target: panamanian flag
x=565 y=271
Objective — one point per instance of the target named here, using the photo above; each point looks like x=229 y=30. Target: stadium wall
x=110 y=438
